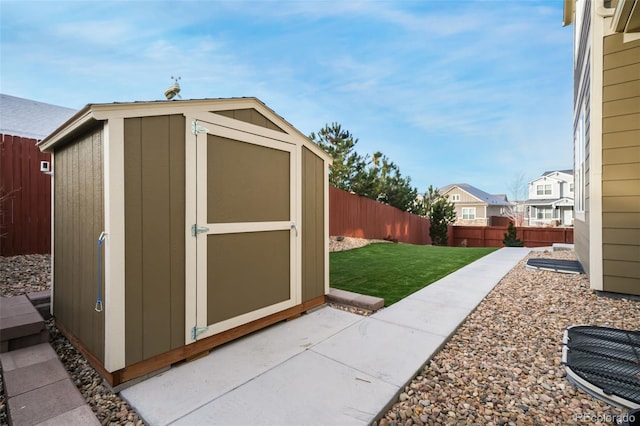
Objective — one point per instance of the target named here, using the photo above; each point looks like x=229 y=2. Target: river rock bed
x=26 y=274
x=503 y=365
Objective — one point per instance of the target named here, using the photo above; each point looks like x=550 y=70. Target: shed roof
x=490 y=199
x=92 y=114
x=30 y=119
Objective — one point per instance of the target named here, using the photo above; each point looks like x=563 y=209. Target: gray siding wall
x=78 y=222
x=582 y=97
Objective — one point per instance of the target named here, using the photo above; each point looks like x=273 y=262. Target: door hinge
x=196 y=128
x=195 y=230
x=196 y=331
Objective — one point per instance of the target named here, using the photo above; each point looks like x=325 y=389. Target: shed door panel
x=246 y=182
x=249 y=271
x=245 y=199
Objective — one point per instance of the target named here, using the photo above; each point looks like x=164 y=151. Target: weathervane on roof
x=174 y=89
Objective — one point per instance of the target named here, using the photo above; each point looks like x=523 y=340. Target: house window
x=455 y=197
x=543 y=189
x=544 y=213
x=468 y=213
x=571 y=187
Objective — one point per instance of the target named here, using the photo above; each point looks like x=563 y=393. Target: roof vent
x=173 y=90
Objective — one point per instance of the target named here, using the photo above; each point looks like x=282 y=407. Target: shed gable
x=251 y=116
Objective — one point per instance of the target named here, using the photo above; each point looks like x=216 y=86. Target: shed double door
x=245 y=230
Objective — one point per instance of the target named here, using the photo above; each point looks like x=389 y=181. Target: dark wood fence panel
x=354 y=216
x=492 y=236
x=25 y=198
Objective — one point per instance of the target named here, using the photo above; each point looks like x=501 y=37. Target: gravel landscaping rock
x=349 y=243
x=26 y=274
x=502 y=366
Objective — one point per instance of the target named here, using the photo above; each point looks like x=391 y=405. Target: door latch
x=195 y=230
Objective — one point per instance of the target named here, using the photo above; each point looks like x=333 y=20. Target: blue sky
x=473 y=91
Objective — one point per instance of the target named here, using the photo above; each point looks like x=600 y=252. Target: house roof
x=549 y=201
x=549 y=172
x=490 y=199
x=30 y=119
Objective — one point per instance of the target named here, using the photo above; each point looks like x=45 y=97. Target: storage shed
x=181 y=225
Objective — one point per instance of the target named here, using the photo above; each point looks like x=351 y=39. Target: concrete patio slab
x=365 y=347
x=307 y=389
x=434 y=318
x=328 y=367
x=450 y=295
x=189 y=386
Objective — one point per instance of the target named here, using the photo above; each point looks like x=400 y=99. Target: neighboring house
x=473 y=205
x=25 y=192
x=607 y=141
x=30 y=119
x=550 y=201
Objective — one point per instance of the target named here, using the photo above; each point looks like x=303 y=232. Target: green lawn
x=394 y=271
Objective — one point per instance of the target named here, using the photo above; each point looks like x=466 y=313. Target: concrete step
x=39 y=391
x=41 y=300
x=21 y=325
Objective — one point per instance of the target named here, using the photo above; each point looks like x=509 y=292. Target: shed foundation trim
x=116 y=378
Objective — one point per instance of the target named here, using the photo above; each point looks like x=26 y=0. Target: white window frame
x=543 y=189
x=455 y=197
x=544 y=213
x=469 y=212
x=579 y=167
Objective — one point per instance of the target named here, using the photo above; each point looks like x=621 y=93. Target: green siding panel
x=133 y=240
x=78 y=222
x=624 y=90
x=250 y=115
x=621 y=205
x=620 y=268
x=313 y=238
x=622 y=285
x=154 y=235
x=621 y=253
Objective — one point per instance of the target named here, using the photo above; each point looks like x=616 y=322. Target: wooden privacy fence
x=492 y=236
x=351 y=215
x=25 y=198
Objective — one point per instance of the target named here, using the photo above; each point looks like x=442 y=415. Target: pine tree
x=440 y=212
x=340 y=145
x=511 y=237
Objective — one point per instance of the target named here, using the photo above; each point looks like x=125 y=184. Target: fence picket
x=25 y=212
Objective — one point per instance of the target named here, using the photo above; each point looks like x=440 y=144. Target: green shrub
x=511 y=238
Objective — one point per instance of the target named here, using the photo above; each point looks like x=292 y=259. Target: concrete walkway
x=327 y=367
